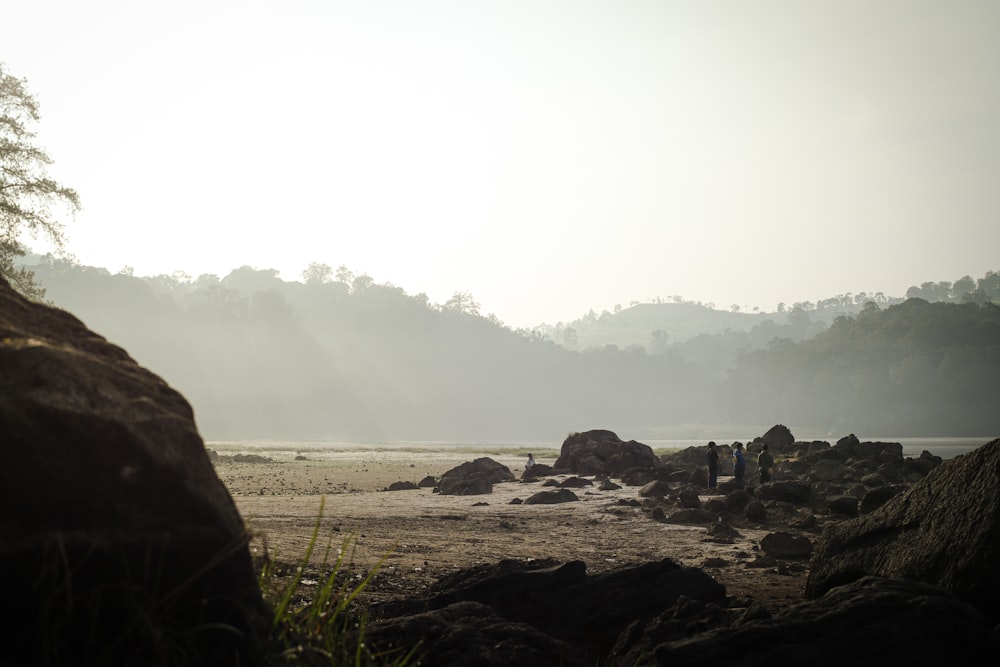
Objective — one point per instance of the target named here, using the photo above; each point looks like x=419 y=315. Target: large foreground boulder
x=944 y=531
x=600 y=452
x=869 y=622
x=119 y=543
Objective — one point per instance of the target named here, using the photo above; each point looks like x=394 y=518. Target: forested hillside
x=343 y=357
x=931 y=367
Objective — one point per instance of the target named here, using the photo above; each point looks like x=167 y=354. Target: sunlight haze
x=547 y=157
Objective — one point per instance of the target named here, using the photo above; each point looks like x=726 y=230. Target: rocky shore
x=119 y=532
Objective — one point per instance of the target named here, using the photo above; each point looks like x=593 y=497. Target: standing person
x=531 y=462
x=765 y=462
x=713 y=466
x=739 y=464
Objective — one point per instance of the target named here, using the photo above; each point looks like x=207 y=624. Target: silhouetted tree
x=27 y=194
x=317 y=274
x=462 y=302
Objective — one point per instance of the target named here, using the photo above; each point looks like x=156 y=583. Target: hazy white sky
x=548 y=157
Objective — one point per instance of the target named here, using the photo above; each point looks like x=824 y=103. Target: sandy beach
x=421 y=536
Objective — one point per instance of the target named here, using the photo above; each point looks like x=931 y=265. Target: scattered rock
x=474 y=478
x=786 y=545
x=552 y=497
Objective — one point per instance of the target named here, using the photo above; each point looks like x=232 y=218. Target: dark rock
x=608 y=485
x=474 y=478
x=470 y=633
x=755 y=510
x=600 y=452
x=843 y=505
x=736 y=500
x=693 y=516
x=723 y=533
x=639 y=643
x=777 y=438
x=427 y=482
x=942 y=531
x=402 y=486
x=798 y=492
x=552 y=497
x=643 y=476
x=301 y=457
x=872 y=622
x=536 y=472
x=655 y=489
x=119 y=540
x=875 y=498
x=575 y=483
x=786 y=545
x=589 y=612
x=689 y=497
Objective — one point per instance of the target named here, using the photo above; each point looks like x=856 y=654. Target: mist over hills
x=341 y=357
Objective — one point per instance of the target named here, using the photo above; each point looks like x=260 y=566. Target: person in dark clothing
x=713 y=466
x=765 y=462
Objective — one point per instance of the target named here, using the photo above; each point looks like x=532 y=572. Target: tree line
x=341 y=356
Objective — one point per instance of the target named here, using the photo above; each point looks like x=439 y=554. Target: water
x=944 y=447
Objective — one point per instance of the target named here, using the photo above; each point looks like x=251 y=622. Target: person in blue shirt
x=739 y=464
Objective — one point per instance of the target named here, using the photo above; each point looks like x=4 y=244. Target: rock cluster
x=887 y=587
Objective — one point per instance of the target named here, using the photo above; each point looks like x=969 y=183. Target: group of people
x=765 y=463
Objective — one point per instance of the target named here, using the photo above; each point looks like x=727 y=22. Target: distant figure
x=531 y=462
x=739 y=464
x=765 y=462
x=713 y=466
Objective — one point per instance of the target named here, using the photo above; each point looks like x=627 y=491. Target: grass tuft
x=325 y=627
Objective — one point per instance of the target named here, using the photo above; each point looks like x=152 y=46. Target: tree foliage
x=29 y=198
x=930 y=367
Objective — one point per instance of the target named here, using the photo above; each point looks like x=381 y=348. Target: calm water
x=946 y=448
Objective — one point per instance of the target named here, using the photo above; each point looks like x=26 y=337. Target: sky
x=547 y=157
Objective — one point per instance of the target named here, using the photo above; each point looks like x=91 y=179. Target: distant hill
x=347 y=358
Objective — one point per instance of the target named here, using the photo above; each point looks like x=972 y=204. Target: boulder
x=877 y=497
x=552 y=497
x=655 y=489
x=575 y=483
x=943 y=531
x=470 y=633
x=474 y=478
x=694 y=516
x=603 y=453
x=535 y=472
x=563 y=601
x=119 y=540
x=778 y=438
x=871 y=622
x=736 y=501
x=843 y=505
x=689 y=497
x=786 y=545
x=792 y=491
